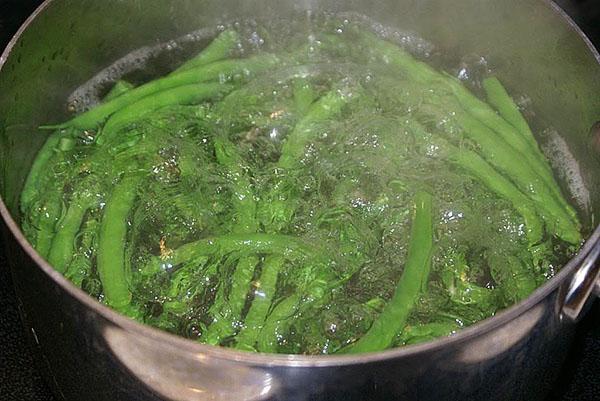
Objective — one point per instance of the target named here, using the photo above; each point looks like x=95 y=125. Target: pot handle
x=584 y=283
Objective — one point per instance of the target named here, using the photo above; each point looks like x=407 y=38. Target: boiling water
x=298 y=259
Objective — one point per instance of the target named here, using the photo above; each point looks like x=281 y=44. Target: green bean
x=484 y=113
x=325 y=108
x=40 y=168
x=416 y=272
x=501 y=156
x=81 y=264
x=276 y=325
x=263 y=297
x=222 y=70
x=47 y=215
x=61 y=252
x=220 y=48
x=186 y=284
x=279 y=207
x=421 y=72
x=120 y=87
x=309 y=297
x=290 y=247
x=111 y=244
x=477 y=167
x=244 y=205
x=243 y=197
x=85 y=196
x=516 y=279
x=319 y=281
x=501 y=100
x=481 y=170
x=278 y=212
x=181 y=95
x=227 y=313
x=559 y=221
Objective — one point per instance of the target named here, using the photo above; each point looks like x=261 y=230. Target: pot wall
x=87 y=356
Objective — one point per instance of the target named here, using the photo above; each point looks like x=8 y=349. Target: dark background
x=20 y=380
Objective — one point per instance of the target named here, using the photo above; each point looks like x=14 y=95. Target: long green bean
x=228 y=312
x=42 y=167
x=61 y=251
x=476 y=166
x=111 y=244
x=181 y=95
x=219 y=49
x=263 y=298
x=416 y=272
x=222 y=70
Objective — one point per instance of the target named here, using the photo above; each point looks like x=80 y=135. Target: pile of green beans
x=337 y=196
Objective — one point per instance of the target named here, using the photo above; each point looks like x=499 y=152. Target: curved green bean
x=416 y=272
x=323 y=109
x=477 y=167
x=263 y=298
x=222 y=70
x=501 y=100
x=49 y=212
x=61 y=251
x=181 y=95
x=290 y=247
x=81 y=264
x=220 y=48
x=227 y=312
x=41 y=167
x=111 y=244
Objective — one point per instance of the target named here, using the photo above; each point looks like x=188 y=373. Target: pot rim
x=287 y=360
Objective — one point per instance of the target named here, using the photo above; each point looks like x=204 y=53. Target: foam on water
x=564 y=162
x=90 y=93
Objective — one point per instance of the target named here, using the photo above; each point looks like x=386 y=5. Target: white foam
x=564 y=162
x=89 y=94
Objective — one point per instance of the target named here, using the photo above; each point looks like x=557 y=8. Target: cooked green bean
x=414 y=277
x=61 y=251
x=263 y=298
x=80 y=267
x=228 y=312
x=219 y=49
x=222 y=70
x=47 y=216
x=41 y=167
x=501 y=100
x=111 y=244
x=472 y=163
x=182 y=95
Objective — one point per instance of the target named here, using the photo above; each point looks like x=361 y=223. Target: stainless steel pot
x=92 y=353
